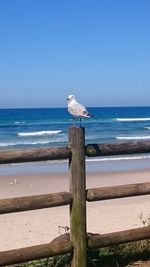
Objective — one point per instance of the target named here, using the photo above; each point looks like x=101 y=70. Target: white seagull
x=76 y=109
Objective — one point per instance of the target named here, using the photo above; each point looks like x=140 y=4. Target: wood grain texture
x=77 y=181
x=95 y=150
x=35 y=252
x=34 y=202
x=104 y=240
x=37 y=154
x=112 y=192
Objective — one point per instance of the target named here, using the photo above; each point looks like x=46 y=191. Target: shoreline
x=41 y=226
x=101 y=164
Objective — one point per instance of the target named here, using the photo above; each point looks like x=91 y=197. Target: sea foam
x=138 y=157
x=24 y=143
x=133 y=137
x=133 y=119
x=39 y=133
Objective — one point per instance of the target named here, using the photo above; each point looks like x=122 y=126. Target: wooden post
x=78 y=190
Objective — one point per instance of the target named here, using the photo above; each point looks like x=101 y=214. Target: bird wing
x=78 y=110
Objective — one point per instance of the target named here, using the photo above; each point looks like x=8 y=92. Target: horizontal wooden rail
x=56 y=153
x=120 y=191
x=104 y=240
x=35 y=252
x=64 y=198
x=94 y=150
x=34 y=202
x=63 y=245
x=37 y=154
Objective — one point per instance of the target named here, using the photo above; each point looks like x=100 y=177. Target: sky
x=98 y=50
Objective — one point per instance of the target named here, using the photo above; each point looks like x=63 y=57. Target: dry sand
x=41 y=226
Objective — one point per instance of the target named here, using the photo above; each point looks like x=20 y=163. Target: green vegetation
x=122 y=254
x=112 y=256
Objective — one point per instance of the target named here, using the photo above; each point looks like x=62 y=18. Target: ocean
x=48 y=127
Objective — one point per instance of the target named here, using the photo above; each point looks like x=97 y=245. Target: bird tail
x=90 y=115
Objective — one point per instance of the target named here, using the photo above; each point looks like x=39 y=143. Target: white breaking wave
x=118 y=158
x=24 y=143
x=19 y=122
x=133 y=119
x=133 y=137
x=147 y=128
x=40 y=133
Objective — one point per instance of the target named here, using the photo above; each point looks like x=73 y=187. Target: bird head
x=70 y=98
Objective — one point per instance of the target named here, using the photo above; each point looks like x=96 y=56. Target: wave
x=19 y=122
x=24 y=143
x=119 y=158
x=147 y=128
x=132 y=119
x=133 y=137
x=40 y=133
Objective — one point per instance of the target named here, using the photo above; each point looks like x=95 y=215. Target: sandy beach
x=41 y=226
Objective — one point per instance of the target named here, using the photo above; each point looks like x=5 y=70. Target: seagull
x=76 y=109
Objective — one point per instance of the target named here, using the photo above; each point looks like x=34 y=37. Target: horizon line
x=128 y=106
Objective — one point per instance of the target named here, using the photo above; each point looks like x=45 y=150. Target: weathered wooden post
x=78 y=190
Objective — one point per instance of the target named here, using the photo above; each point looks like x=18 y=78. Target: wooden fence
x=79 y=241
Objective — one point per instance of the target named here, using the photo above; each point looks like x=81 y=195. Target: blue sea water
x=30 y=128
x=47 y=127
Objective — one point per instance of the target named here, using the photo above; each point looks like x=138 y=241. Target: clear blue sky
x=98 y=50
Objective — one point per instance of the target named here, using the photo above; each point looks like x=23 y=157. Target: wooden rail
x=57 y=153
x=34 y=252
x=105 y=240
x=37 y=154
x=112 y=192
x=63 y=245
x=95 y=150
x=34 y=202
x=78 y=241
